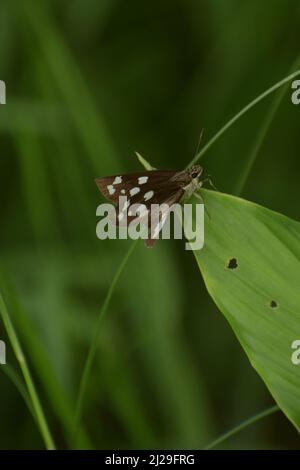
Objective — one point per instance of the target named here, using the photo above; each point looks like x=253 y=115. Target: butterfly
x=144 y=189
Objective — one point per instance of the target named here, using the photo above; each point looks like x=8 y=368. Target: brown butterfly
x=146 y=188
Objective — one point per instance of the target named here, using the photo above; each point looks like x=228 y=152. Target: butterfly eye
x=194 y=174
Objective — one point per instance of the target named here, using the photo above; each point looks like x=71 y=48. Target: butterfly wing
x=142 y=189
x=112 y=187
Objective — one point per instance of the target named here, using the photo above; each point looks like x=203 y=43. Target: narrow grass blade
x=43 y=426
x=241 y=426
x=95 y=341
x=249 y=163
x=18 y=383
x=61 y=402
x=144 y=162
x=241 y=113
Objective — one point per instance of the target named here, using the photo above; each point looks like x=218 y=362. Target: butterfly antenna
x=199 y=143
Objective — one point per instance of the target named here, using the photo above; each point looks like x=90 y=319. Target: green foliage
x=88 y=83
x=251 y=264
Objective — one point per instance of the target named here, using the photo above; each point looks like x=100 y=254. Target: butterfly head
x=195 y=172
x=192 y=180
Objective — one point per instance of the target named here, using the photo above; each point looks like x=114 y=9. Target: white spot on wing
x=111 y=189
x=134 y=191
x=117 y=180
x=148 y=195
x=123 y=191
x=143 y=179
x=121 y=216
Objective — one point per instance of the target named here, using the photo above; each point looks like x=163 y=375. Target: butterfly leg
x=208 y=179
x=198 y=196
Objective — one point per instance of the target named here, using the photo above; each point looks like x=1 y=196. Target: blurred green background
x=88 y=83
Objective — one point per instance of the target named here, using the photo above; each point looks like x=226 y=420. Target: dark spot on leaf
x=273 y=304
x=232 y=263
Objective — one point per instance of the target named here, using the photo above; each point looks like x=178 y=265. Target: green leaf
x=144 y=162
x=251 y=264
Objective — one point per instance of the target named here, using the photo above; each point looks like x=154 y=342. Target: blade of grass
x=40 y=416
x=94 y=344
x=17 y=381
x=144 y=162
x=61 y=402
x=176 y=386
x=261 y=135
x=243 y=425
x=241 y=113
